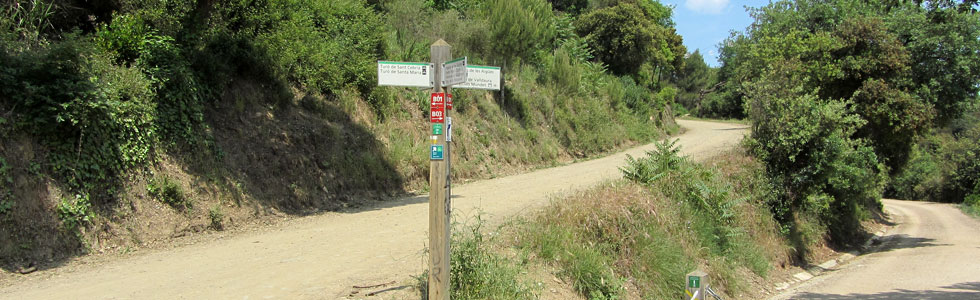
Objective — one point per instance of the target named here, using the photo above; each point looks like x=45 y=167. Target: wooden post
x=438 y=204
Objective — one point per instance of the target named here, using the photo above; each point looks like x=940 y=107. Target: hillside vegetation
x=126 y=123
x=632 y=238
x=850 y=100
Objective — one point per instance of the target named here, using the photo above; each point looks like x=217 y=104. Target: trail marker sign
x=409 y=74
x=454 y=72
x=436 y=152
x=437 y=108
x=449 y=129
x=481 y=78
x=696 y=285
x=440 y=75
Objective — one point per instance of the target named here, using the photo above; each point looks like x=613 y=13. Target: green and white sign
x=410 y=74
x=481 y=78
x=454 y=72
x=437 y=128
x=693 y=282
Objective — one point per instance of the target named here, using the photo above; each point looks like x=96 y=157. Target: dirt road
x=321 y=257
x=933 y=253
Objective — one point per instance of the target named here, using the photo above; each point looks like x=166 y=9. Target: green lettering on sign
x=437 y=128
x=694 y=282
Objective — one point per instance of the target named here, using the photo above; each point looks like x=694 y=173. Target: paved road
x=321 y=257
x=933 y=253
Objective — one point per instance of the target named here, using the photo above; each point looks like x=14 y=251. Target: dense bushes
x=96 y=117
x=145 y=85
x=837 y=101
x=809 y=153
x=628 y=36
x=945 y=165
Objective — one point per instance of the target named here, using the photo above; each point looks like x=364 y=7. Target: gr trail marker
x=437 y=108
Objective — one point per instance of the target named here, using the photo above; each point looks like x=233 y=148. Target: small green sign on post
x=694 y=282
x=437 y=129
x=436 y=152
x=697 y=283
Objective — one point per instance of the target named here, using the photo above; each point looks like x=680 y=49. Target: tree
x=519 y=28
x=694 y=79
x=627 y=36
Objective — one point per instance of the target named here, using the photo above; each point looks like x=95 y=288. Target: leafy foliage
x=476 y=270
x=97 y=117
x=626 y=37
x=835 y=93
x=519 y=28
x=75 y=212
x=809 y=151
x=166 y=190
x=944 y=165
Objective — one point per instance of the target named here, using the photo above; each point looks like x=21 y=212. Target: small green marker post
x=696 y=283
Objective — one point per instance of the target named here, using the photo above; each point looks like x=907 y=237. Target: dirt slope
x=933 y=253
x=321 y=257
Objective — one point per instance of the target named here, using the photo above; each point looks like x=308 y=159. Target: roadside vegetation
x=635 y=237
x=849 y=101
x=204 y=115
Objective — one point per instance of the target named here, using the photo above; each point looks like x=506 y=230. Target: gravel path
x=323 y=256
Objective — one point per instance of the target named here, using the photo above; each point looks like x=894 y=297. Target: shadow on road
x=903 y=241
x=734 y=128
x=965 y=290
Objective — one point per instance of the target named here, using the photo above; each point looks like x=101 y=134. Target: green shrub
x=808 y=147
x=96 y=118
x=628 y=36
x=6 y=190
x=323 y=46
x=216 y=217
x=519 y=29
x=26 y=22
x=944 y=164
x=562 y=72
x=712 y=207
x=476 y=271
x=75 y=212
x=972 y=202
x=167 y=190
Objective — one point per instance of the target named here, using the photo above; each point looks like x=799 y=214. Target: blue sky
x=705 y=23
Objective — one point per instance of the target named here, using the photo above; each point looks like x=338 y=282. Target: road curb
x=831 y=265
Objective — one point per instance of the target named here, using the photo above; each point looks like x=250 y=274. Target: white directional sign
x=454 y=72
x=481 y=78
x=411 y=74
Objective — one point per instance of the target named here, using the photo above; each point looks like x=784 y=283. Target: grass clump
x=169 y=192
x=672 y=216
x=971 y=204
x=477 y=271
x=216 y=217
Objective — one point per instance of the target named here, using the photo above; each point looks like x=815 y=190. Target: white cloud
x=713 y=7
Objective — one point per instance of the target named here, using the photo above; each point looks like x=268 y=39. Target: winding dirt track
x=321 y=257
x=933 y=253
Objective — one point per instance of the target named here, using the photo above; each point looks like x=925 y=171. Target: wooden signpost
x=441 y=75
